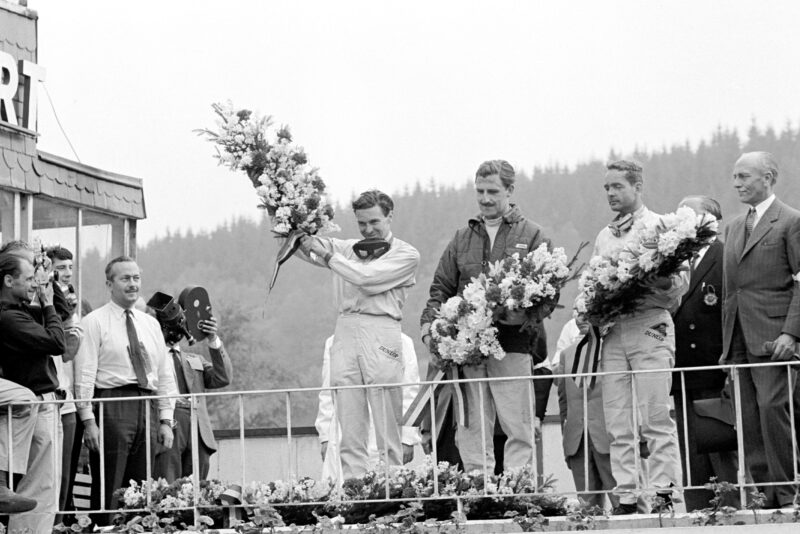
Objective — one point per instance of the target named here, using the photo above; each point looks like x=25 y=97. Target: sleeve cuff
x=216 y=344
x=410 y=435
x=165 y=413
x=85 y=413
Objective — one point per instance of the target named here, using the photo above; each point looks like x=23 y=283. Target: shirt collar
x=763 y=206
x=119 y=311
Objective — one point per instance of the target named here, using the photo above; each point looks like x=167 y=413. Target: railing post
x=102 y=454
x=241 y=440
x=481 y=410
x=11 y=449
x=684 y=403
x=434 y=437
x=741 y=480
x=194 y=440
x=289 y=442
x=586 y=451
x=148 y=406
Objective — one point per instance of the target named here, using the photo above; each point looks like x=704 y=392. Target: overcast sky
x=383 y=94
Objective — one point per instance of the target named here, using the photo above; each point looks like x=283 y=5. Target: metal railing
x=743 y=482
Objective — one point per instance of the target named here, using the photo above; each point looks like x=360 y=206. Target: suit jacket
x=698 y=324
x=215 y=374
x=758 y=283
x=570 y=403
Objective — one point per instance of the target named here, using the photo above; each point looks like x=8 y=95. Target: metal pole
x=289 y=441
x=534 y=444
x=483 y=434
x=102 y=473
x=586 y=450
x=737 y=388
x=11 y=450
x=434 y=437
x=147 y=448
x=636 y=434
x=382 y=392
x=792 y=383
x=684 y=403
x=241 y=439
x=194 y=439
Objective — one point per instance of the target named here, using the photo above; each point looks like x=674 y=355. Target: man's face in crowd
x=64 y=270
x=124 y=283
x=493 y=197
x=751 y=181
x=372 y=223
x=23 y=286
x=622 y=196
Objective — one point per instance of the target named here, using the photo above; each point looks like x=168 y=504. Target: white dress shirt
x=762 y=207
x=103 y=361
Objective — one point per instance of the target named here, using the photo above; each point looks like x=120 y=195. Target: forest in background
x=276 y=341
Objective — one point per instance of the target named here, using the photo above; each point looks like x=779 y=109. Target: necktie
x=135 y=351
x=180 y=378
x=621 y=224
x=749 y=223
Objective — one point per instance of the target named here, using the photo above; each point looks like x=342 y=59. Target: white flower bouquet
x=462 y=332
x=528 y=285
x=615 y=285
x=288 y=187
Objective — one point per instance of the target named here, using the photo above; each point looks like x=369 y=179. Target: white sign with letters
x=10 y=72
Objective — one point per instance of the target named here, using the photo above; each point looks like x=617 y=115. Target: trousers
x=508 y=401
x=43 y=478
x=23 y=423
x=176 y=462
x=643 y=341
x=367 y=349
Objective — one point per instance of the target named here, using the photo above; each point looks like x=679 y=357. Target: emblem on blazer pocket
x=389 y=352
x=710 y=298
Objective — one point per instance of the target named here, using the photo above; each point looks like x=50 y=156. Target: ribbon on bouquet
x=416 y=411
x=587 y=357
x=291 y=243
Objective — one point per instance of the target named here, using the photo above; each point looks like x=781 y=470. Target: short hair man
x=193 y=374
x=762 y=304
x=122 y=355
x=371 y=279
x=642 y=340
x=499 y=231
x=698 y=343
x=26 y=349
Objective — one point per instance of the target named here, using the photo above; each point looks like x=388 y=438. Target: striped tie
x=749 y=223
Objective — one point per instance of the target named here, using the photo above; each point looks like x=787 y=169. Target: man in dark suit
x=762 y=304
x=193 y=374
x=698 y=343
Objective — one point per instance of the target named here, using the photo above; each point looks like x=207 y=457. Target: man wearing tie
x=122 y=355
x=193 y=374
x=698 y=343
x=762 y=304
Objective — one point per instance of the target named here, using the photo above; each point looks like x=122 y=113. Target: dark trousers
x=766 y=421
x=176 y=462
x=598 y=477
x=124 y=442
x=702 y=466
x=68 y=422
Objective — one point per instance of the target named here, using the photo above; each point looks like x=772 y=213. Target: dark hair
x=708 y=204
x=118 y=259
x=501 y=168
x=632 y=170
x=372 y=198
x=11 y=246
x=58 y=253
x=10 y=264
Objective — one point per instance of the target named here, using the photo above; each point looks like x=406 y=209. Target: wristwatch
x=172 y=423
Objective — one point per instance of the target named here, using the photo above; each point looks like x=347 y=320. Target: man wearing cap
x=499 y=231
x=371 y=280
x=122 y=355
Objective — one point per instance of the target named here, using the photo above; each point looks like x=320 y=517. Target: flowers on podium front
x=288 y=187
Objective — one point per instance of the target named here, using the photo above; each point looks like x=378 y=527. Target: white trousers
x=367 y=349
x=43 y=478
x=645 y=340
x=23 y=422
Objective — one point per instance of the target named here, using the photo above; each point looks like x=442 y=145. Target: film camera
x=181 y=318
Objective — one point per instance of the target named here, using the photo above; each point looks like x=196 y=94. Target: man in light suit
x=762 y=304
x=193 y=374
x=698 y=342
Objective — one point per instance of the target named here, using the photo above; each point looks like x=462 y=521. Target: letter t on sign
x=35 y=75
x=9 y=83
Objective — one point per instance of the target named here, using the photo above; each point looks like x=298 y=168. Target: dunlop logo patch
x=389 y=352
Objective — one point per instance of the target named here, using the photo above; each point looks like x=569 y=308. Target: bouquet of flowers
x=529 y=285
x=615 y=285
x=462 y=332
x=289 y=189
